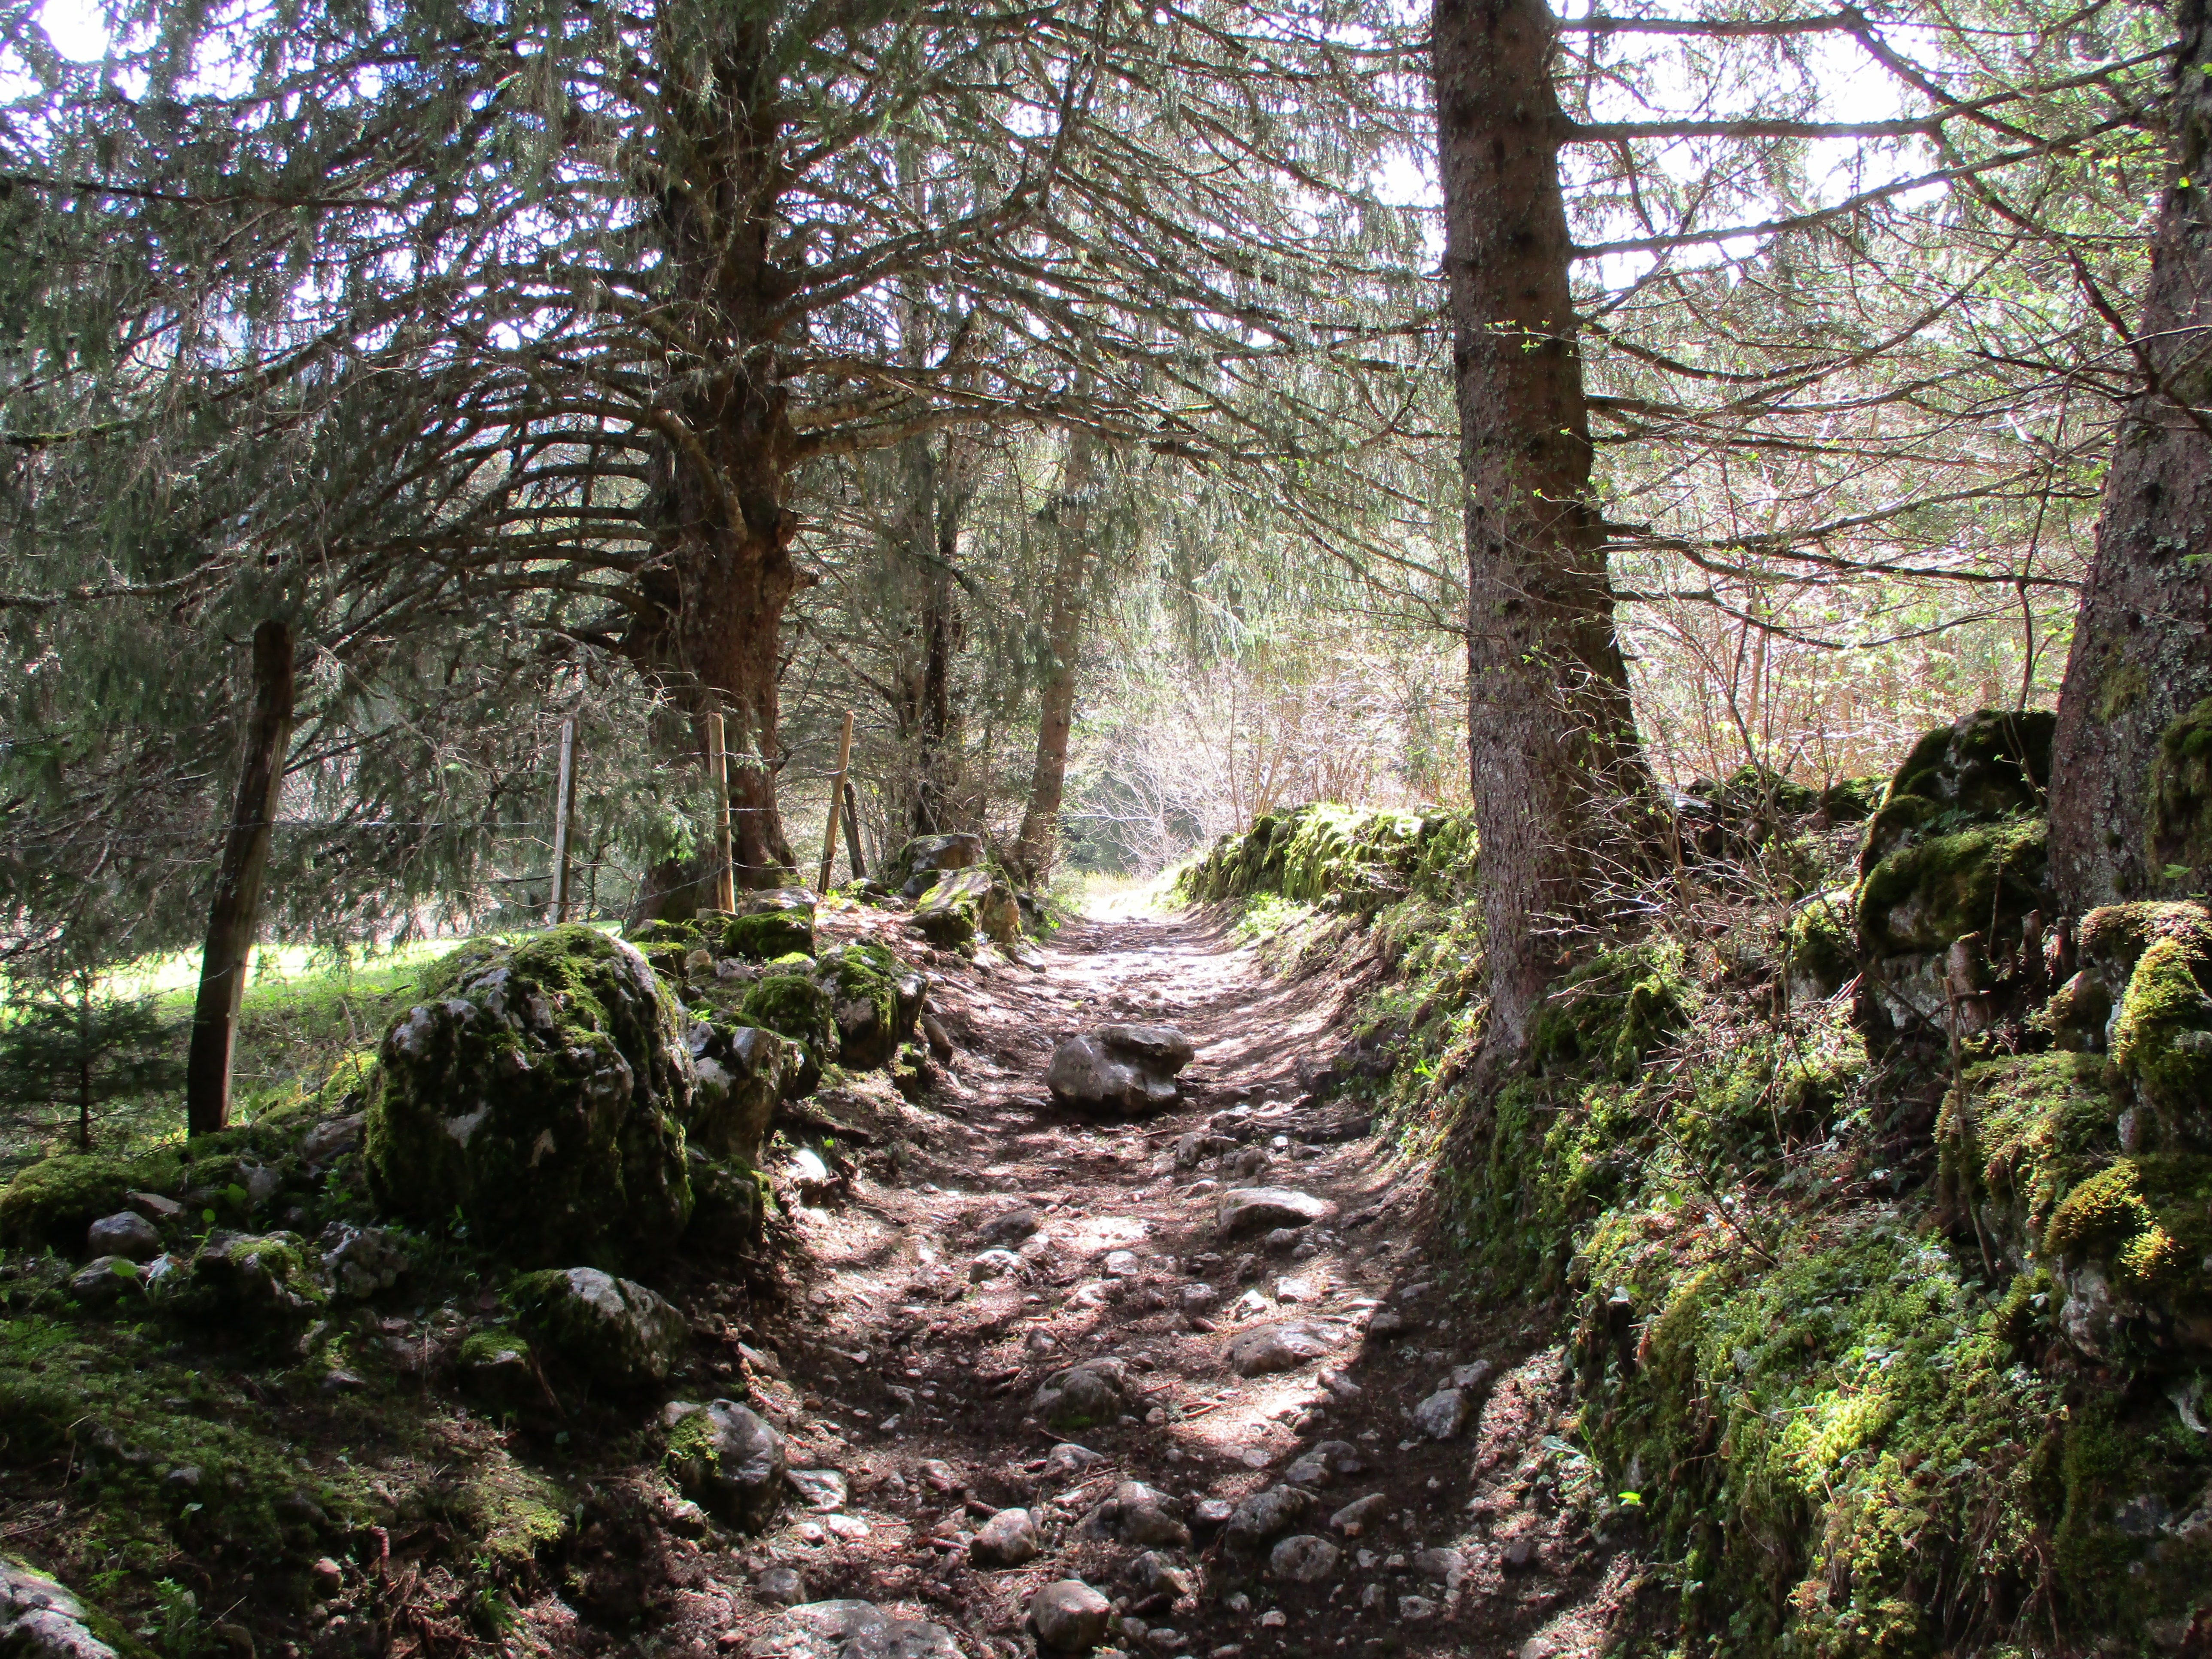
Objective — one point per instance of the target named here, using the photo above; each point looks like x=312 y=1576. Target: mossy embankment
x=1883 y=1345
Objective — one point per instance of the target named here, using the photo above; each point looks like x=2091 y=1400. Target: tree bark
x=1554 y=758
x=1037 y=845
x=2142 y=655
x=237 y=904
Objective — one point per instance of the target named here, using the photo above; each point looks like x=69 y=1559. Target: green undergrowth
x=1343 y=857
x=1823 y=1309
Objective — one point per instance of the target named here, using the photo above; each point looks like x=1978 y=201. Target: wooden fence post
x=836 y=801
x=718 y=768
x=564 y=807
x=236 y=907
x=852 y=832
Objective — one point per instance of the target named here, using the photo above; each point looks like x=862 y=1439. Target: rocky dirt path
x=1396 y=1486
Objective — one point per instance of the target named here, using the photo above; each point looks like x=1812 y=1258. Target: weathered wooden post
x=836 y=801
x=564 y=807
x=236 y=906
x=718 y=769
x=852 y=832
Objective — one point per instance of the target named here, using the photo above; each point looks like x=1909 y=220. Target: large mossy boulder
x=618 y=1333
x=2142 y=995
x=729 y=1461
x=538 y=1090
x=922 y=861
x=1953 y=867
x=874 y=1001
x=53 y=1201
x=2129 y=1248
x=795 y=1008
x=776 y=923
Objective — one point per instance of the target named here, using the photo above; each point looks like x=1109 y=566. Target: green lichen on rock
x=770 y=934
x=874 y=1000
x=795 y=1006
x=1357 y=858
x=1612 y=1012
x=2017 y=1134
x=1819 y=952
x=257 y=1280
x=2180 y=817
x=616 y=1332
x=951 y=915
x=52 y=1202
x=2162 y=1038
x=512 y=1512
x=539 y=1090
x=1929 y=892
x=1991 y=764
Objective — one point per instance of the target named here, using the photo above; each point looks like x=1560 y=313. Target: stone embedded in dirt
x=618 y=1333
x=102 y=1280
x=1518 y=1556
x=1095 y=1391
x=1283 y=1240
x=1124 y=1069
x=956 y=908
x=1251 y=1306
x=360 y=1261
x=994 y=1264
x=1012 y=1228
x=1359 y=1511
x=1446 y=1565
x=1303 y=1559
x=125 y=1234
x=1142 y=1517
x=1122 y=1264
x=1329 y=1459
x=1006 y=1539
x=742 y=1071
x=1211 y=1512
x=1416 y=1609
x=1468 y=1376
x=1388 y=1322
x=1298 y=1290
x=1069 y=1617
x=1197 y=1297
x=730 y=1461
x=780 y=1587
x=1068 y=1458
x=542 y=1090
x=1156 y=1575
x=1441 y=1415
x=1278 y=1347
x=940 y=1477
x=850 y=1629
x=822 y=1490
x=1262 y=1209
x=1264 y=1514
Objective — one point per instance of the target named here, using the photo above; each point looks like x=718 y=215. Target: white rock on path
x=1441 y=1415
x=1303 y=1559
x=1069 y=1616
x=1262 y=1209
x=850 y=1629
x=1278 y=1347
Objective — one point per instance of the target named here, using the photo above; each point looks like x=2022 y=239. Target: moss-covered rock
x=731 y=1203
x=615 y=1332
x=2180 y=818
x=1994 y=763
x=1612 y=1012
x=778 y=921
x=792 y=1006
x=731 y=1462
x=538 y=1090
x=256 y=1280
x=918 y=864
x=2161 y=1040
x=874 y=1000
x=742 y=1071
x=951 y=913
x=2131 y=1246
x=2017 y=1135
x=1930 y=892
x=53 y=1201
x=1820 y=953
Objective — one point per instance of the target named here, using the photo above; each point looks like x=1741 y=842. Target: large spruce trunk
x=2127 y=820
x=1037 y=845
x=1553 y=758
x=718 y=482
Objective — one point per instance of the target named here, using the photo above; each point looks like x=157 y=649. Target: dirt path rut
x=926 y=1315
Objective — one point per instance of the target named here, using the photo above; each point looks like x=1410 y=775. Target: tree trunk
x=1037 y=845
x=853 y=833
x=1553 y=746
x=237 y=905
x=2125 y=822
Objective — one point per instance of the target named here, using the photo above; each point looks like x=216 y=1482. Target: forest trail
x=911 y=1369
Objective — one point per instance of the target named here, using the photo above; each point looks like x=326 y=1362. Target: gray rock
x=1360 y=1510
x=1468 y=1376
x=331 y=1139
x=780 y=1587
x=125 y=1234
x=40 y=1620
x=953 y=912
x=1303 y=1559
x=994 y=1264
x=730 y=1461
x=1445 y=1564
x=928 y=854
x=1262 y=1209
x=1329 y=1459
x=1388 y=1322
x=1095 y=1391
x=822 y=1490
x=359 y=1261
x=1124 y=1069
x=1416 y=1609
x=1441 y=1415
x=743 y=1071
x=102 y=1281
x=1211 y=1512
x=1069 y=1617
x=1006 y=1539
x=850 y=1629
x=1012 y=1228
x=1156 y=1575
x=615 y=1332
x=1266 y=1513
x=1278 y=1347
x=1197 y=1297
x=1067 y=1458
x=156 y=1206
x=1143 y=1517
